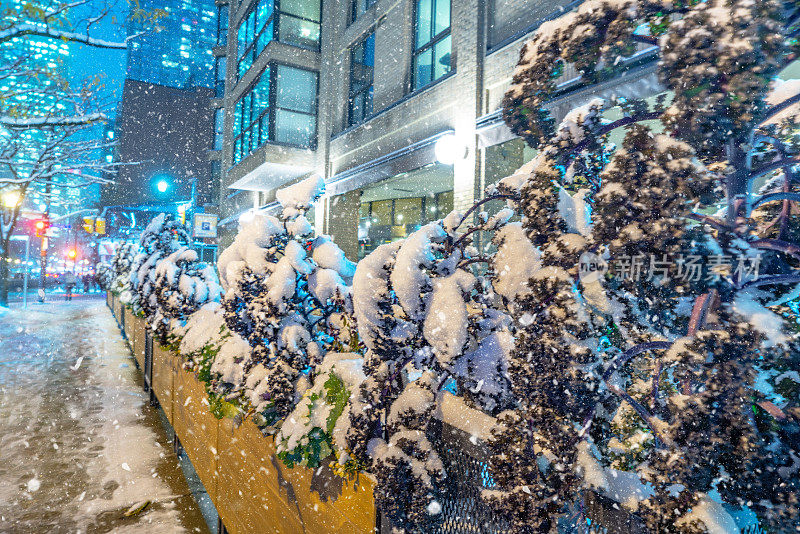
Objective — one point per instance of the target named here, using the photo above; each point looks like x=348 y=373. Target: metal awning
x=269 y=176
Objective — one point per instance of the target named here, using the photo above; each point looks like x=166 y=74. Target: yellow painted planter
x=257 y=493
x=128 y=323
x=251 y=488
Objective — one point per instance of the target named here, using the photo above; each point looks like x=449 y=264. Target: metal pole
x=25 y=278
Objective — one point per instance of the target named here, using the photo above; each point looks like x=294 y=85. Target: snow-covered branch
x=50 y=121
x=40 y=30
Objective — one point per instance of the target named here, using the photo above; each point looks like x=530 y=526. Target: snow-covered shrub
x=183 y=284
x=431 y=311
x=215 y=355
x=163 y=236
x=665 y=366
x=104 y=275
x=115 y=275
x=287 y=293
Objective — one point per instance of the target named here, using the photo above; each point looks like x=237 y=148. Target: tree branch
x=774 y=166
x=623 y=358
x=38 y=30
x=778 y=246
x=770 y=197
x=775 y=279
x=46 y=122
x=777 y=108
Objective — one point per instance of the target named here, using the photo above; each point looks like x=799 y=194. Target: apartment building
x=395 y=102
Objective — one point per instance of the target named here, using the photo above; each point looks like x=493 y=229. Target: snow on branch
x=52 y=121
x=40 y=30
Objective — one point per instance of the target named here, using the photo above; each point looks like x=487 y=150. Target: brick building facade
x=394 y=77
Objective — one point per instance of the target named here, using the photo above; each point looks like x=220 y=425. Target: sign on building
x=205 y=225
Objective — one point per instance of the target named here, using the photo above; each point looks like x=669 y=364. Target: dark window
x=362 y=64
x=216 y=180
x=280 y=107
x=222 y=24
x=359 y=7
x=219 y=128
x=294 y=22
x=219 y=86
x=510 y=20
x=432 y=44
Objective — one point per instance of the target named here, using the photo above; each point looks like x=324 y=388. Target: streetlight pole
x=27 y=269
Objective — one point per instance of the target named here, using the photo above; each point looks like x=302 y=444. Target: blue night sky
x=86 y=62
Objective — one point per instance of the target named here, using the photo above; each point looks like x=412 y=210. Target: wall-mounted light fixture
x=448 y=149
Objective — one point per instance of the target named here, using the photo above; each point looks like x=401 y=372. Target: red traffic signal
x=41 y=227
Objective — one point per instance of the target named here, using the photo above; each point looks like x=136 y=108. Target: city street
x=79 y=445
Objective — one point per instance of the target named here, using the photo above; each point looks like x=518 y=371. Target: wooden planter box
x=163 y=374
x=117 y=310
x=138 y=340
x=196 y=427
x=251 y=488
x=109 y=300
x=257 y=493
x=128 y=324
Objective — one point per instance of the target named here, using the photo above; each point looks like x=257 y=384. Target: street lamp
x=162 y=186
x=12 y=199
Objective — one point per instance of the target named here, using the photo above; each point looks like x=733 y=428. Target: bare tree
x=44 y=117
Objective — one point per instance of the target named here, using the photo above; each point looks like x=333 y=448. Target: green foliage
x=221 y=408
x=337 y=396
x=317 y=444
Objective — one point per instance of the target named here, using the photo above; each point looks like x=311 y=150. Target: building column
x=342 y=221
x=469 y=46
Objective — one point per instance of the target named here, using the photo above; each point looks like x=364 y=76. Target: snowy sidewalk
x=78 y=444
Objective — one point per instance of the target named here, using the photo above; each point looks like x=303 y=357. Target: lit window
x=432 y=43
x=294 y=22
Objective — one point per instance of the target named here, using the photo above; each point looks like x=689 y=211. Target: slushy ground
x=79 y=444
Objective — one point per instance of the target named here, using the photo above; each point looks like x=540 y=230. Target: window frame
x=222 y=33
x=275 y=65
x=220 y=64
x=354 y=13
x=274 y=21
x=270 y=113
x=219 y=128
x=368 y=90
x=430 y=45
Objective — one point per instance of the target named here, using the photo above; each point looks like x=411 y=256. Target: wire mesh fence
x=464 y=512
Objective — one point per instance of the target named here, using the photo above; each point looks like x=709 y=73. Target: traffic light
x=72 y=253
x=100 y=226
x=41 y=226
x=88 y=225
